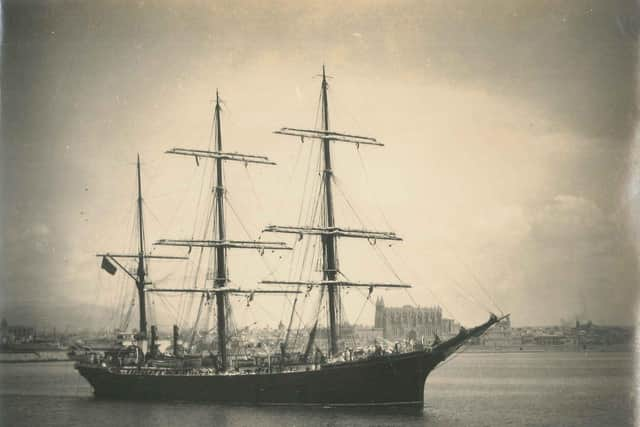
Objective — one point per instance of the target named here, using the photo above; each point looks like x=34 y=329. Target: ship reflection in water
x=532 y=389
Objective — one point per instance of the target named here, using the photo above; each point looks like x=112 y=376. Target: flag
x=107 y=266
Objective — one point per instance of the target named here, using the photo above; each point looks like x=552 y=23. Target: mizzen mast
x=141 y=275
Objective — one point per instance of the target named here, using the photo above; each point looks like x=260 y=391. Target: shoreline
x=467 y=350
x=32 y=356
x=542 y=349
x=13 y=362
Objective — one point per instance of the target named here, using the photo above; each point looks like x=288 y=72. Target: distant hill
x=62 y=316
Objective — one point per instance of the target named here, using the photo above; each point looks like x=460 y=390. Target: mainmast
x=330 y=263
x=140 y=282
x=220 y=243
x=220 y=266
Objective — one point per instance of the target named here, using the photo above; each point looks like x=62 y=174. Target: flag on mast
x=108 y=266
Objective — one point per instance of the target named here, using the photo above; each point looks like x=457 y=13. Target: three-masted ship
x=378 y=378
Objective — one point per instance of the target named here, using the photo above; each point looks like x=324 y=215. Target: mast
x=140 y=275
x=329 y=240
x=140 y=280
x=220 y=264
x=220 y=244
x=328 y=231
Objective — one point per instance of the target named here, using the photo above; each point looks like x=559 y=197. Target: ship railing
x=151 y=371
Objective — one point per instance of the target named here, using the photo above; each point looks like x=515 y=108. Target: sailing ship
x=340 y=377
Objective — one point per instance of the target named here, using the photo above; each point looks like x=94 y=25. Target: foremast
x=329 y=232
x=330 y=256
x=221 y=252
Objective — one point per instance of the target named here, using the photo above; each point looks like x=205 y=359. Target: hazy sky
x=507 y=168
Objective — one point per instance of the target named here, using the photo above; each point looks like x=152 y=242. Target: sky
x=509 y=166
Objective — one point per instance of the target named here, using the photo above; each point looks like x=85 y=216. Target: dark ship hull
x=393 y=380
x=388 y=380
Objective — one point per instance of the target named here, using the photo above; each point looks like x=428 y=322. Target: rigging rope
x=194 y=329
x=148 y=209
x=124 y=289
x=253 y=189
x=338 y=185
x=310 y=244
x=419 y=277
x=188 y=299
x=475 y=278
x=469 y=297
x=271 y=270
x=183 y=306
x=375 y=197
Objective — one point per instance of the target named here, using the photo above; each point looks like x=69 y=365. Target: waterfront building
x=501 y=335
x=415 y=323
x=16 y=333
x=551 y=340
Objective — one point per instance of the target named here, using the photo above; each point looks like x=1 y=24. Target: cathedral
x=417 y=323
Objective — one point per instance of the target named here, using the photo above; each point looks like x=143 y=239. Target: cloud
x=574 y=259
x=569 y=218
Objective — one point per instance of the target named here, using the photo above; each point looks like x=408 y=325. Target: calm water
x=520 y=389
